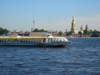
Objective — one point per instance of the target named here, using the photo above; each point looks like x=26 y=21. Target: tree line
x=86 y=33
x=3 y=31
x=39 y=30
x=90 y=33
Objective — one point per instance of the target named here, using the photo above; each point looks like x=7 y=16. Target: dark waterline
x=81 y=57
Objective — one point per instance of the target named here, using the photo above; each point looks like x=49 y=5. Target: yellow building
x=14 y=33
x=73 y=28
x=73 y=24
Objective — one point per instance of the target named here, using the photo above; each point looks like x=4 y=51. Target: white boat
x=47 y=41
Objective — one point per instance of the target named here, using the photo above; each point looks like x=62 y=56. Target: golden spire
x=73 y=10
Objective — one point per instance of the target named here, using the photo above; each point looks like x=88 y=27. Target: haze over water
x=81 y=57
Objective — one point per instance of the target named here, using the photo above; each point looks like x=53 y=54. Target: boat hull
x=49 y=44
x=54 y=44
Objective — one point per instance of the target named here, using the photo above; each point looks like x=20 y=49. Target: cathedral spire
x=73 y=13
x=73 y=10
x=73 y=24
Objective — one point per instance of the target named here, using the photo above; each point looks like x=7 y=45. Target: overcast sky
x=49 y=14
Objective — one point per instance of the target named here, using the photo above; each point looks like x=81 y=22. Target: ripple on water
x=81 y=57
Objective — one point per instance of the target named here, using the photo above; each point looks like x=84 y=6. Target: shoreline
x=82 y=37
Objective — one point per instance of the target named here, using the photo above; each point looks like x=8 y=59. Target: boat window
x=31 y=41
x=63 y=39
x=44 y=40
x=34 y=41
x=1 y=40
x=4 y=40
x=48 y=39
x=60 y=39
x=55 y=39
x=37 y=41
x=17 y=40
x=23 y=41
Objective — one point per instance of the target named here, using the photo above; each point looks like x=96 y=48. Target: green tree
x=95 y=33
x=69 y=33
x=91 y=31
x=60 y=33
x=3 y=31
x=26 y=32
x=36 y=30
x=88 y=33
x=85 y=32
x=80 y=33
x=41 y=30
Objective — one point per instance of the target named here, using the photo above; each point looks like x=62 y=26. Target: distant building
x=87 y=28
x=73 y=25
x=82 y=29
x=21 y=33
x=18 y=33
x=37 y=34
x=14 y=33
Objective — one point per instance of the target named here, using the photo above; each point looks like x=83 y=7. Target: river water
x=80 y=57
